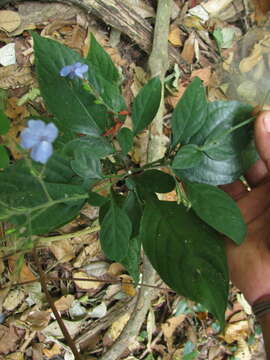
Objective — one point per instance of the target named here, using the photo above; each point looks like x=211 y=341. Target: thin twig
x=43 y=282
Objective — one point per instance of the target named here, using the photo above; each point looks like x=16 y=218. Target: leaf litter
x=175 y=327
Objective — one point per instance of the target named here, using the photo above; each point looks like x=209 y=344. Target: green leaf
x=190 y=113
x=132 y=261
x=155 y=181
x=188 y=255
x=86 y=165
x=97 y=200
x=134 y=210
x=146 y=105
x=125 y=138
x=187 y=157
x=99 y=147
x=4 y=157
x=227 y=162
x=23 y=201
x=115 y=232
x=101 y=61
x=60 y=92
x=4 y=123
x=218 y=210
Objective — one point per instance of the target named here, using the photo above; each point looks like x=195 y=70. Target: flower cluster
x=38 y=136
x=75 y=70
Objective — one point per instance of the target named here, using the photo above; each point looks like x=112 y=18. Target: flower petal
x=42 y=152
x=28 y=139
x=50 y=132
x=66 y=70
x=36 y=125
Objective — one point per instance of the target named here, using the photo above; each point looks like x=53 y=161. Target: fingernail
x=266 y=121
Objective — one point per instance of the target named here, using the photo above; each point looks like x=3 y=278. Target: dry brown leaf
x=9 y=20
x=248 y=63
x=171 y=196
x=64 y=303
x=25 y=273
x=86 y=285
x=38 y=320
x=62 y=250
x=91 y=252
x=13 y=299
x=204 y=74
x=188 y=52
x=14 y=111
x=236 y=331
x=242 y=352
x=116 y=269
x=116 y=328
x=14 y=76
x=173 y=99
x=10 y=334
x=18 y=355
x=175 y=36
x=169 y=328
x=53 y=351
x=127 y=285
x=193 y=22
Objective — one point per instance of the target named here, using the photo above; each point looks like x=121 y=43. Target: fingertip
x=262 y=136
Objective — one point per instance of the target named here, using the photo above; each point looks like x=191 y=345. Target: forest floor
x=90 y=292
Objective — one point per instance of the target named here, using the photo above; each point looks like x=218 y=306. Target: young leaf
x=188 y=255
x=217 y=209
x=4 y=123
x=101 y=60
x=187 y=157
x=4 y=157
x=115 y=232
x=155 y=181
x=125 y=138
x=225 y=168
x=146 y=105
x=86 y=165
x=190 y=113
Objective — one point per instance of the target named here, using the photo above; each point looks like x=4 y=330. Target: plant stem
x=60 y=322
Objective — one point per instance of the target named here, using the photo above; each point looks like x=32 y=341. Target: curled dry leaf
x=237 y=331
x=116 y=329
x=73 y=327
x=53 y=351
x=175 y=36
x=116 y=269
x=9 y=20
x=62 y=250
x=204 y=74
x=90 y=285
x=14 y=76
x=38 y=320
x=248 y=63
x=169 y=328
x=64 y=303
x=127 y=285
x=188 y=52
x=13 y=299
x=91 y=252
x=10 y=334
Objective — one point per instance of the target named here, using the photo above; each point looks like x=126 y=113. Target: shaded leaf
x=4 y=123
x=4 y=157
x=155 y=181
x=190 y=113
x=187 y=157
x=125 y=138
x=218 y=210
x=146 y=105
x=102 y=61
x=86 y=165
x=115 y=232
x=188 y=255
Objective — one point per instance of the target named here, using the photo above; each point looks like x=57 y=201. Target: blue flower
x=38 y=137
x=75 y=70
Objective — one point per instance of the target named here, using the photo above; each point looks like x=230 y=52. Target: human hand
x=249 y=263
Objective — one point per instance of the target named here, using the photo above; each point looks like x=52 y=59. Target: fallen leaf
x=175 y=36
x=62 y=250
x=25 y=273
x=15 y=356
x=14 y=76
x=92 y=251
x=116 y=328
x=188 y=52
x=116 y=269
x=169 y=327
x=14 y=111
x=242 y=352
x=13 y=299
x=127 y=285
x=64 y=303
x=9 y=20
x=73 y=327
x=96 y=268
x=248 y=63
x=204 y=74
x=150 y=327
x=236 y=331
x=53 y=351
x=38 y=320
x=10 y=334
x=99 y=311
x=86 y=285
